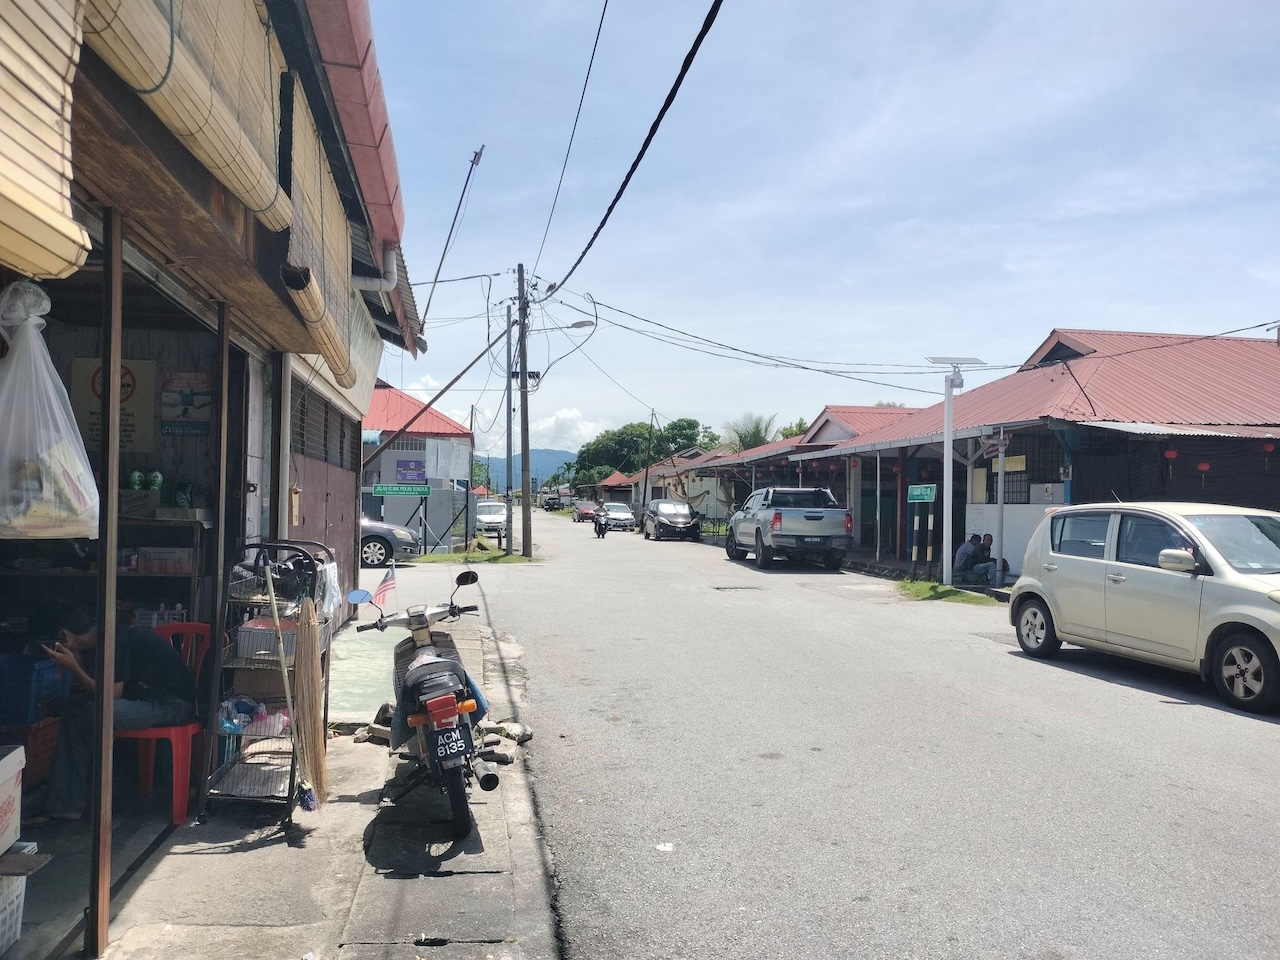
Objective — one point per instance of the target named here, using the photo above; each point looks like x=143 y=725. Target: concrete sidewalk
x=358 y=879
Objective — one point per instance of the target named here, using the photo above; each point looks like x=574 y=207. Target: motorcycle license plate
x=451 y=742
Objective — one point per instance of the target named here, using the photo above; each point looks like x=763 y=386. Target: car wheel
x=731 y=548
x=1247 y=673
x=646 y=531
x=764 y=555
x=374 y=552
x=1036 y=635
x=833 y=561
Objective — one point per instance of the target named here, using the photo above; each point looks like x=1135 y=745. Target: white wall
x=1020 y=520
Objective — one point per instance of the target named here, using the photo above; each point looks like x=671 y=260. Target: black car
x=551 y=503
x=671 y=520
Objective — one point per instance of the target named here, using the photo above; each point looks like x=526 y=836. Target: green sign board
x=920 y=493
x=402 y=489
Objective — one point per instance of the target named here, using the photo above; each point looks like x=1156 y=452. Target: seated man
x=983 y=565
x=966 y=555
x=153 y=688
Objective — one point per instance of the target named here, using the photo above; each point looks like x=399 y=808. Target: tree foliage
x=796 y=429
x=631 y=446
x=750 y=430
x=889 y=403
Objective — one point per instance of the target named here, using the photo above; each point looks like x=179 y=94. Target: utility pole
x=526 y=488
x=510 y=500
x=648 y=455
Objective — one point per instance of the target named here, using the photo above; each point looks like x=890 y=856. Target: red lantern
x=1268 y=448
x=1203 y=468
x=1171 y=455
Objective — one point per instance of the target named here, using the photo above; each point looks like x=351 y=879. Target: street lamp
x=952 y=381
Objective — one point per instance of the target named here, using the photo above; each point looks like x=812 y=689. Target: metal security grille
x=321 y=431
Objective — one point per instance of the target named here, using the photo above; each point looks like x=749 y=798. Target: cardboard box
x=166 y=560
x=21 y=861
x=12 y=760
x=139 y=504
x=258 y=684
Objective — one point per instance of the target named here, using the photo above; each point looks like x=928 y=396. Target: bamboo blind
x=319 y=258
x=212 y=76
x=39 y=50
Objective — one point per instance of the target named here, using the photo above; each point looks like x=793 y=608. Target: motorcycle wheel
x=456 y=786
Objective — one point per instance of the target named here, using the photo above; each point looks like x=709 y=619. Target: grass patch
x=929 y=590
x=490 y=553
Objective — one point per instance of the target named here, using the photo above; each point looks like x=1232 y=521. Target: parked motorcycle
x=602 y=523
x=436 y=707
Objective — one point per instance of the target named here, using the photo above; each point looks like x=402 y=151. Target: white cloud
x=564 y=430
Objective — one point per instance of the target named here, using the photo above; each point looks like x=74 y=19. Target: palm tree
x=750 y=430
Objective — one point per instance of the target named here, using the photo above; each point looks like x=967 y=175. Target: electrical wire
x=564 y=166
x=644 y=147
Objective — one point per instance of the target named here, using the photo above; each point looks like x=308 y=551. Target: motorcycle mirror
x=466 y=578
x=359 y=596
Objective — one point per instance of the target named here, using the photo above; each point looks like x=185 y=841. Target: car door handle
x=1116 y=577
x=1051 y=567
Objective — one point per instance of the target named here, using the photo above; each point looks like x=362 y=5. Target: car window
x=681 y=509
x=1142 y=538
x=1249 y=542
x=808 y=499
x=1080 y=534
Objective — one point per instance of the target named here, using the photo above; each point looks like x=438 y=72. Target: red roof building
x=391 y=409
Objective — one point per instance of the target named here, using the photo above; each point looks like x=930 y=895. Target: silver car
x=1192 y=586
x=381 y=542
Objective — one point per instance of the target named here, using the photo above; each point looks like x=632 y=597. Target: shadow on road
x=1180 y=689
x=414 y=838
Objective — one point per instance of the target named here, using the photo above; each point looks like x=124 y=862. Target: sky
x=860 y=185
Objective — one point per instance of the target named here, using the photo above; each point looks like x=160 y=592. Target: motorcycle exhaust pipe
x=486 y=774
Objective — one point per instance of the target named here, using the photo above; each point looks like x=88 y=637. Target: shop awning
x=318 y=269
x=1236 y=431
x=209 y=69
x=39 y=49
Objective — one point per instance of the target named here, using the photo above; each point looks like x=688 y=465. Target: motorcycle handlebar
x=367 y=626
x=470 y=608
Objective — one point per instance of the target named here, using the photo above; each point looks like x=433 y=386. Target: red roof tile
x=391 y=409
x=615 y=479
x=1126 y=377
x=865 y=419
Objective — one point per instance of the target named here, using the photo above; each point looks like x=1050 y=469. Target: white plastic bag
x=47 y=489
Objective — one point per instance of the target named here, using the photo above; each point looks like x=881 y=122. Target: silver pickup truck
x=801 y=522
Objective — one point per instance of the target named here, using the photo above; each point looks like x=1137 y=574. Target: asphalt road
x=734 y=763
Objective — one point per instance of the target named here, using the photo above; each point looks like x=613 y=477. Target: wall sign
x=411 y=471
x=186 y=405
x=137 y=403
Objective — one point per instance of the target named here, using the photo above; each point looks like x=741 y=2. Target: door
x=749 y=522
x=1149 y=609
x=1074 y=571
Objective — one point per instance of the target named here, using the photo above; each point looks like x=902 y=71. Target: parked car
x=491 y=516
x=801 y=522
x=670 y=519
x=584 y=511
x=1192 y=586
x=381 y=542
x=619 y=516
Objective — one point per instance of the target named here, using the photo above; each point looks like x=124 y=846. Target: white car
x=619 y=516
x=1192 y=586
x=491 y=516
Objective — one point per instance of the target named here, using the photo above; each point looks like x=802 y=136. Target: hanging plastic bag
x=47 y=489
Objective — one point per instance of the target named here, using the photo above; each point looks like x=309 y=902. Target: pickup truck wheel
x=833 y=560
x=1246 y=672
x=764 y=555
x=732 y=549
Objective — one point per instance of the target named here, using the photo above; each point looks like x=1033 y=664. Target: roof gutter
x=390 y=274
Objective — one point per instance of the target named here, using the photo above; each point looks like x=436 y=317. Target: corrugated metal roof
x=391 y=409
x=1188 y=430
x=766 y=451
x=865 y=419
x=615 y=479
x=1127 y=378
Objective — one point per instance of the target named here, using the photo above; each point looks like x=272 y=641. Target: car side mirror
x=1179 y=561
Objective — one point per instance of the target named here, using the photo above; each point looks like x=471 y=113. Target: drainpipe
x=390 y=275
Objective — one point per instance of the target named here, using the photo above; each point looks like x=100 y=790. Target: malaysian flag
x=385 y=588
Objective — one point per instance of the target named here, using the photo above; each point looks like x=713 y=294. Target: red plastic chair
x=186 y=638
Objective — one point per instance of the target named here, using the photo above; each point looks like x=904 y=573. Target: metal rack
x=264 y=768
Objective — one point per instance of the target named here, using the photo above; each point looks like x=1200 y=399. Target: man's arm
x=66 y=658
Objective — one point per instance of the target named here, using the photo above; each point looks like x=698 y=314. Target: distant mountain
x=542 y=464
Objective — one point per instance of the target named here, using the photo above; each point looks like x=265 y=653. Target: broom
x=306 y=795
x=309 y=697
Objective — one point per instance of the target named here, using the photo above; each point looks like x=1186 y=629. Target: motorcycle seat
x=436 y=675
